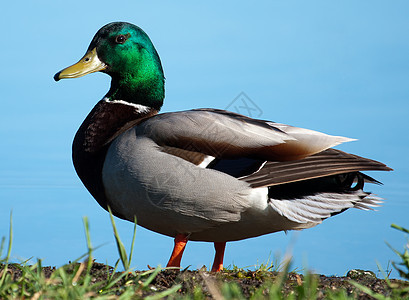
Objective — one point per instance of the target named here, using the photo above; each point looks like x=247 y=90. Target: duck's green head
x=125 y=52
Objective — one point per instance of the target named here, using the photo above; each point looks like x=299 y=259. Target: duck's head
x=125 y=52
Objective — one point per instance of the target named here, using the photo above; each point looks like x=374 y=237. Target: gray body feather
x=172 y=194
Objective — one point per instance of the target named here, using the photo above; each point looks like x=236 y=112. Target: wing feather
x=326 y=163
x=224 y=134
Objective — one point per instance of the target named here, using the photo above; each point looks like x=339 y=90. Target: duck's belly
x=170 y=195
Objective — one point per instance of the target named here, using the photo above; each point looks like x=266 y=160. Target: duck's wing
x=261 y=173
x=226 y=135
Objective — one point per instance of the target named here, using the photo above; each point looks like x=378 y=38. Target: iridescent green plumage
x=134 y=65
x=125 y=52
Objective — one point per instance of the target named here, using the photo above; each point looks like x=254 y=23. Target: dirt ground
x=248 y=281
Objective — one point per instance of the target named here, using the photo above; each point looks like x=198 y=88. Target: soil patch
x=248 y=282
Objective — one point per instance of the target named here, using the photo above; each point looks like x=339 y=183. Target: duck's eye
x=120 y=39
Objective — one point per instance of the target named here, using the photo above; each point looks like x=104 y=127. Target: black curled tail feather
x=340 y=183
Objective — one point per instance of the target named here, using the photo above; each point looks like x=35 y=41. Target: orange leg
x=176 y=257
x=218 y=257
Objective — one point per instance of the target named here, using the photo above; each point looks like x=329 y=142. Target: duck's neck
x=135 y=92
x=144 y=85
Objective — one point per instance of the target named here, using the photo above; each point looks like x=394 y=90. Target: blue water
x=342 y=69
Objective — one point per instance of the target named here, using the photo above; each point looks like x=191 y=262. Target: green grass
x=80 y=279
x=74 y=280
x=403 y=269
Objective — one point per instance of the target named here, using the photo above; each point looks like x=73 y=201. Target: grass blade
x=400 y=228
x=133 y=240
x=152 y=276
x=89 y=244
x=368 y=291
x=10 y=238
x=5 y=270
x=165 y=293
x=119 y=244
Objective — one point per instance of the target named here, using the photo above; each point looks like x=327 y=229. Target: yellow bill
x=89 y=63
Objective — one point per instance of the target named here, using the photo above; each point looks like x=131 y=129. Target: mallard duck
x=204 y=174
